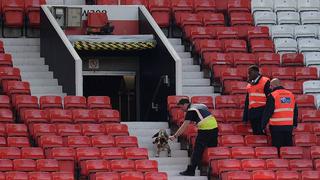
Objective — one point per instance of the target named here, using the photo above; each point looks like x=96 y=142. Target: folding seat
x=205 y=46
x=285 y=5
x=263 y=175
x=92 y=166
x=32 y=153
x=193 y=33
x=6 y=165
x=122 y=165
x=96 y=21
x=27 y=165
x=84 y=116
x=260 y=32
x=5 y=60
x=293 y=152
x=312 y=86
x=284 y=73
x=50 y=102
x=243 y=31
x=92 y=129
x=236 y=175
x=78 y=141
x=10 y=153
x=265 y=18
x=242 y=129
x=238 y=73
x=16 y=175
x=112 y=153
x=181 y=6
x=308 y=45
x=190 y=132
x=74 y=102
x=316 y=129
x=226 y=33
x=300 y=164
x=310 y=17
x=25 y=101
x=277 y=164
x=136 y=153
x=13 y=13
x=215 y=153
x=60 y=116
x=253 y=164
x=267 y=71
x=146 y=165
x=266 y=153
x=292 y=59
x=106 y=2
x=225 y=165
x=5 y=101
x=38 y=130
x=99 y=102
x=305 y=139
x=3 y=142
x=315 y=152
x=241 y=18
x=282 y=31
x=134 y=175
x=225 y=129
x=32 y=9
x=105 y=175
x=310 y=175
x=261 y=5
x=39 y=175
x=293 y=86
x=155 y=175
x=16 y=87
x=35 y=116
x=217 y=59
x=287 y=175
x=62 y=153
x=190 y=20
x=305 y=31
x=218 y=114
x=18 y=142
x=50 y=141
x=311 y=58
x=87 y=153
x=49 y=165
x=268 y=59
x=17 y=130
x=256 y=140
x=117 y=129
x=239 y=6
x=244 y=59
x=68 y=129
x=303 y=128
x=126 y=141
x=232 y=140
x=226 y=101
x=172 y=101
x=160 y=10
x=102 y=141
x=62 y=176
x=9 y=73
x=108 y=116
x=317 y=164
x=235 y=87
x=308 y=5
x=306 y=73
x=233 y=115
x=136 y=2
x=261 y=45
x=242 y=152
x=213 y=19
x=206 y=100
x=286 y=45
x=292 y=18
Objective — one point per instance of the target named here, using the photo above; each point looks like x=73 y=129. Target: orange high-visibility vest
x=257 y=97
x=284 y=103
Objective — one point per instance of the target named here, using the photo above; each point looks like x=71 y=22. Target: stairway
x=26 y=56
x=171 y=165
x=193 y=82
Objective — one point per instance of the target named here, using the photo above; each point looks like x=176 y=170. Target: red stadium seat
x=244 y=59
x=235 y=45
x=60 y=116
x=16 y=130
x=239 y=6
x=49 y=165
x=68 y=129
x=43 y=129
x=224 y=165
x=74 y=102
x=5 y=102
x=99 y=102
x=126 y=141
x=218 y=114
x=242 y=129
x=187 y=19
x=206 y=100
x=136 y=2
x=112 y=153
x=194 y=33
x=122 y=165
x=5 y=60
x=96 y=21
x=310 y=115
x=266 y=152
x=62 y=176
x=215 y=153
x=92 y=166
x=316 y=128
x=204 y=46
x=32 y=153
x=214 y=59
x=292 y=59
x=213 y=19
x=26 y=101
x=84 y=116
x=92 y=129
x=117 y=129
x=317 y=164
x=232 y=140
x=146 y=165
x=226 y=101
x=107 y=2
x=35 y=116
x=253 y=164
x=305 y=139
x=50 y=102
x=306 y=73
x=13 y=13
x=9 y=73
x=284 y=73
x=305 y=101
x=303 y=128
x=277 y=164
x=263 y=175
x=242 y=152
x=155 y=176
x=181 y=5
x=3 y=142
x=225 y=32
x=269 y=59
x=18 y=142
x=87 y=153
x=233 y=115
x=50 y=141
x=204 y=6
x=287 y=175
x=310 y=175
x=291 y=152
x=131 y=175
x=16 y=87
x=261 y=45
x=241 y=19
x=177 y=116
x=108 y=116
x=300 y=164
x=293 y=86
x=105 y=175
x=16 y=175
x=32 y=8
x=258 y=32
x=256 y=140
x=136 y=153
x=315 y=152
x=78 y=141
x=10 y=153
x=226 y=129
x=239 y=73
x=160 y=10
x=39 y=175
x=6 y=165
x=62 y=153
x=24 y=165
x=6 y=116
x=236 y=175
x=102 y=141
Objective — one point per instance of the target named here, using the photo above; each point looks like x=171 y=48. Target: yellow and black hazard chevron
x=114 y=46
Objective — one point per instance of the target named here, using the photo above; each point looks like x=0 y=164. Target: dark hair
x=253 y=68
x=183 y=101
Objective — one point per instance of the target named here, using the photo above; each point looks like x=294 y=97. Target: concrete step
x=197 y=90
x=190 y=68
x=33 y=68
x=184 y=55
x=175 y=153
x=192 y=75
x=28 y=61
x=172 y=161
x=22 y=48
x=179 y=48
x=196 y=82
x=42 y=82
x=49 y=94
x=25 y=55
x=173 y=146
x=176 y=173
x=145 y=132
x=21 y=41
x=46 y=89
x=187 y=61
x=37 y=75
x=147 y=125
x=175 y=41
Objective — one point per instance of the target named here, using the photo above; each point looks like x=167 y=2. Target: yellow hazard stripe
x=113 y=46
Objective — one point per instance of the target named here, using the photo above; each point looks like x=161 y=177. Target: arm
x=267 y=89
x=268 y=111
x=295 y=116
x=182 y=128
x=246 y=109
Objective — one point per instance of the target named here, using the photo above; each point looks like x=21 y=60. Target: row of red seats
x=8 y=130
x=129 y=176
x=271 y=175
x=37 y=130
x=5 y=59
x=21 y=175
x=14 y=11
x=15 y=142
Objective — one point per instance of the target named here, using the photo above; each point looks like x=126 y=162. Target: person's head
x=253 y=72
x=185 y=103
x=275 y=82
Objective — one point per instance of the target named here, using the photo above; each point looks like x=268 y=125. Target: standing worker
x=281 y=113
x=257 y=92
x=207 y=132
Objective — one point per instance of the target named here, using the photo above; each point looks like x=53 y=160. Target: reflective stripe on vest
x=257 y=97
x=283 y=108
x=206 y=123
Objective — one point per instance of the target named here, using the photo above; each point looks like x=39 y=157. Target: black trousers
x=281 y=138
x=256 y=126
x=205 y=138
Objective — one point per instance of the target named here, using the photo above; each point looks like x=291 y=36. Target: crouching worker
x=207 y=132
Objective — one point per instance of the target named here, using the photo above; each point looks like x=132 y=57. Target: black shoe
x=189 y=172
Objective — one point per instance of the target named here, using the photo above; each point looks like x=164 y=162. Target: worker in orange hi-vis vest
x=281 y=113
x=258 y=89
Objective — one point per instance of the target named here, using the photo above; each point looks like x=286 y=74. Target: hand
x=172 y=138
